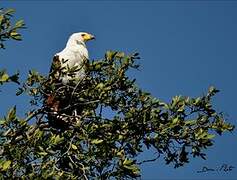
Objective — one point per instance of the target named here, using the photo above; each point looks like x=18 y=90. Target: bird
x=73 y=55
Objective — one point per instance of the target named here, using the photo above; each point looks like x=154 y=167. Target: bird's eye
x=83 y=35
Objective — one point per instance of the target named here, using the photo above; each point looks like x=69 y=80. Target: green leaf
x=120 y=137
x=100 y=86
x=13 y=33
x=11 y=114
x=4 y=77
x=97 y=67
x=19 y=24
x=16 y=37
x=120 y=153
x=1 y=18
x=10 y=11
x=2 y=122
x=127 y=161
x=97 y=141
x=74 y=147
x=42 y=153
x=120 y=55
x=110 y=55
x=56 y=139
x=130 y=165
x=212 y=90
x=210 y=136
x=41 y=148
x=197 y=101
x=175 y=121
x=190 y=122
x=6 y=165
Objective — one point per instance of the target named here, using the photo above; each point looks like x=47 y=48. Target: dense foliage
x=96 y=127
x=8 y=31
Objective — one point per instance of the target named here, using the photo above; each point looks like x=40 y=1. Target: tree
x=115 y=121
x=8 y=31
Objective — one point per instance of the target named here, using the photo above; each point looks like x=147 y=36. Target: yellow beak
x=88 y=37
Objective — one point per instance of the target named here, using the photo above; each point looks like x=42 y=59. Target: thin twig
x=76 y=104
x=149 y=160
x=74 y=89
x=70 y=144
x=101 y=109
x=34 y=114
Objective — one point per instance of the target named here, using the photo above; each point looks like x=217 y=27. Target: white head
x=79 y=38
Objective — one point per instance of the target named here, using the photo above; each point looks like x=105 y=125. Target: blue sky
x=185 y=48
